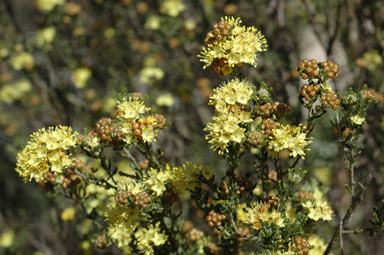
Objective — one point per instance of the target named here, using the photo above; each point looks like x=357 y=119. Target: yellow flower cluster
x=23 y=60
x=81 y=76
x=318 y=208
x=123 y=222
x=157 y=180
x=289 y=137
x=135 y=125
x=172 y=7
x=15 y=91
x=148 y=237
x=46 y=151
x=239 y=46
x=257 y=214
x=185 y=178
x=318 y=245
x=48 y=5
x=230 y=101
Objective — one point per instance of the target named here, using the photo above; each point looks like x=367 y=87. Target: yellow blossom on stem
x=46 y=151
x=148 y=237
x=289 y=137
x=238 y=45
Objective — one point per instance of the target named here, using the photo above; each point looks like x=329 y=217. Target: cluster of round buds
x=71 y=179
x=265 y=110
x=220 y=66
x=122 y=197
x=103 y=129
x=280 y=108
x=243 y=231
x=330 y=99
x=215 y=219
x=301 y=245
x=82 y=167
x=101 y=241
x=272 y=201
x=331 y=69
x=160 y=121
x=255 y=137
x=194 y=235
x=224 y=188
x=371 y=93
x=243 y=184
x=304 y=195
x=309 y=69
x=211 y=249
x=309 y=91
x=218 y=33
x=49 y=177
x=142 y=199
x=173 y=196
x=141 y=124
x=267 y=125
x=144 y=164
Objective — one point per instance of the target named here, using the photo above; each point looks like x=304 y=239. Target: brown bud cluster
x=122 y=197
x=280 y=108
x=371 y=93
x=71 y=179
x=107 y=132
x=243 y=184
x=215 y=219
x=330 y=99
x=49 y=177
x=219 y=31
x=142 y=199
x=302 y=246
x=244 y=231
x=309 y=91
x=309 y=68
x=160 y=121
x=268 y=125
x=331 y=69
x=303 y=195
x=144 y=164
x=224 y=188
x=211 y=249
x=255 y=137
x=101 y=241
x=272 y=201
x=265 y=110
x=220 y=66
x=194 y=235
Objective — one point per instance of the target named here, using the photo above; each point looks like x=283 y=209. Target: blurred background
x=67 y=61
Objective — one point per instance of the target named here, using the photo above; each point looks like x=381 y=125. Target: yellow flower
x=156 y=180
x=45 y=36
x=172 y=7
x=48 y=5
x=7 y=238
x=81 y=76
x=318 y=244
x=357 y=120
x=68 y=214
x=318 y=208
x=165 y=99
x=12 y=92
x=148 y=237
x=46 y=151
x=289 y=137
x=150 y=74
x=239 y=46
x=22 y=60
x=131 y=108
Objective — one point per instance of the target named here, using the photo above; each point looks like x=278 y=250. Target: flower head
x=232 y=44
x=148 y=237
x=289 y=137
x=46 y=151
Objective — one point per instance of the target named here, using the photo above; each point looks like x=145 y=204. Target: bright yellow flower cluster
x=157 y=180
x=318 y=245
x=135 y=125
x=22 y=60
x=48 y=5
x=123 y=221
x=185 y=178
x=148 y=237
x=241 y=45
x=318 y=208
x=257 y=214
x=230 y=101
x=289 y=137
x=46 y=151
